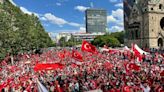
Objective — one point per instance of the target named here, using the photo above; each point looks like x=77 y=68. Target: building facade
x=96 y=20
x=144 y=23
x=86 y=36
x=78 y=36
x=66 y=35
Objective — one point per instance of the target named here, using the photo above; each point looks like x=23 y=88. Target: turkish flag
x=86 y=46
x=136 y=52
x=108 y=65
x=126 y=89
x=3 y=85
x=131 y=66
x=61 y=55
x=162 y=73
x=127 y=67
x=48 y=66
x=67 y=53
x=76 y=55
x=134 y=67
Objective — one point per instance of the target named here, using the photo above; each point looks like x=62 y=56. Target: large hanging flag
x=86 y=46
x=77 y=55
x=40 y=67
x=138 y=52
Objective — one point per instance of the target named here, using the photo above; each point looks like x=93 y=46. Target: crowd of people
x=117 y=71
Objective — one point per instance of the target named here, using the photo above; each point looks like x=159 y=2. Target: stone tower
x=144 y=23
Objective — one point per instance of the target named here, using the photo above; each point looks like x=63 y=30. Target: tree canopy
x=119 y=36
x=20 y=32
x=113 y=39
x=100 y=41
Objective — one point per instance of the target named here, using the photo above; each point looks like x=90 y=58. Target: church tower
x=144 y=23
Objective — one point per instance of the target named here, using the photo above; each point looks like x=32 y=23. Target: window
x=162 y=23
x=137 y=35
x=132 y=35
x=160 y=6
x=151 y=8
x=134 y=1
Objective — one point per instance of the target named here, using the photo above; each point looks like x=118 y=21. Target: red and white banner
x=131 y=66
x=40 y=67
x=86 y=46
x=77 y=55
x=138 y=52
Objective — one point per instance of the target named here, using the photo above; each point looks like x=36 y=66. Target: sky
x=69 y=15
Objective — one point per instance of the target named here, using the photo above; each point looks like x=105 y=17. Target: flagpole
x=41 y=87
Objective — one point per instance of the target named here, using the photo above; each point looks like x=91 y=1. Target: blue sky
x=68 y=15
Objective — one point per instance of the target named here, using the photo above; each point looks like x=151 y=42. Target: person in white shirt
x=145 y=87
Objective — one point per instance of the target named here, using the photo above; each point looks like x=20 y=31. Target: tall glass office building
x=96 y=20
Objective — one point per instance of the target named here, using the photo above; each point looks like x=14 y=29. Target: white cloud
x=119 y=5
x=28 y=12
x=111 y=19
x=82 y=30
x=116 y=18
x=25 y=10
x=43 y=18
x=13 y=2
x=120 y=23
x=81 y=8
x=79 y=30
x=116 y=28
x=55 y=20
x=52 y=34
x=118 y=14
x=113 y=1
x=58 y=21
x=73 y=24
x=58 y=4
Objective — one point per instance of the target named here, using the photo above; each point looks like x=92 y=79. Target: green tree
x=106 y=40
x=62 y=41
x=119 y=36
x=20 y=32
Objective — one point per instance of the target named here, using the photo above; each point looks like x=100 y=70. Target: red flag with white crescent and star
x=77 y=55
x=61 y=55
x=126 y=89
x=86 y=46
x=131 y=66
x=136 y=52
